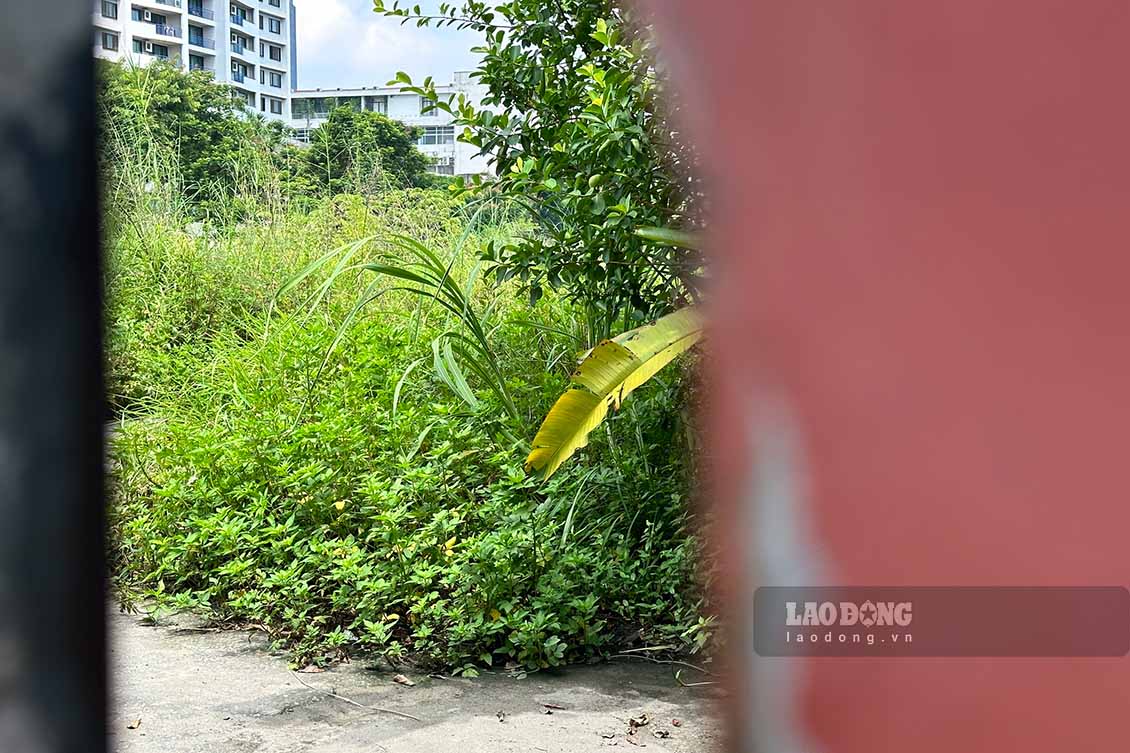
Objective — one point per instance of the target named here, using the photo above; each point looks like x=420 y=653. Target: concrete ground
x=180 y=689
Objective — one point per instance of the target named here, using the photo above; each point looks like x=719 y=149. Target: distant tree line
x=200 y=131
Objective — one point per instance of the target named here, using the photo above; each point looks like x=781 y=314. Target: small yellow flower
x=495 y=614
x=340 y=505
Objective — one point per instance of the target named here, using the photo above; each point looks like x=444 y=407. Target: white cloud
x=343 y=43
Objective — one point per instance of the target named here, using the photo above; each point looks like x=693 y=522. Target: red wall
x=922 y=247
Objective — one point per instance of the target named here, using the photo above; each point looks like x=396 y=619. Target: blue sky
x=343 y=43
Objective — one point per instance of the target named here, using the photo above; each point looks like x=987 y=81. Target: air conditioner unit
x=148 y=15
x=149 y=47
x=234 y=10
x=235 y=67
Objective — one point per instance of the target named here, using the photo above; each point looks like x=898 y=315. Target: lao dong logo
x=848 y=614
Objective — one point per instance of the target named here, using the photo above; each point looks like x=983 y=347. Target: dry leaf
x=639 y=721
x=134 y=725
x=311 y=669
x=676 y=723
x=402 y=680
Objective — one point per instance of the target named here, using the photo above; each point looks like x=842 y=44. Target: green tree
x=202 y=126
x=574 y=120
x=360 y=151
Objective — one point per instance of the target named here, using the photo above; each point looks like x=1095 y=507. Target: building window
x=149 y=17
x=195 y=63
x=276 y=106
x=275 y=52
x=433 y=135
x=109 y=41
x=276 y=3
x=427 y=107
x=442 y=166
x=146 y=47
x=270 y=23
x=275 y=79
x=109 y=10
x=377 y=104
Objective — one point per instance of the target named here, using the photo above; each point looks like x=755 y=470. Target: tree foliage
x=574 y=121
x=225 y=159
x=357 y=150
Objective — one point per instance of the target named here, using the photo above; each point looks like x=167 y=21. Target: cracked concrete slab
x=224 y=692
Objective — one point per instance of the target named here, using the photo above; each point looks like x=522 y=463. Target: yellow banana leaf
x=610 y=372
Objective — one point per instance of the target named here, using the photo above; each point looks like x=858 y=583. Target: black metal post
x=52 y=633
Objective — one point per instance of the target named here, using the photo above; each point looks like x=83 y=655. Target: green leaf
x=670 y=237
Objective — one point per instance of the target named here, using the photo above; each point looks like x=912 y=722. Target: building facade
x=311 y=107
x=248 y=44
x=251 y=45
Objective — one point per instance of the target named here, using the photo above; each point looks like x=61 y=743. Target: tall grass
x=349 y=476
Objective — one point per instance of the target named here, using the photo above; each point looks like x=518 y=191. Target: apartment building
x=311 y=107
x=249 y=44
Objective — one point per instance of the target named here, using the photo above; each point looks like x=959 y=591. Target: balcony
x=199 y=12
x=239 y=49
x=237 y=76
x=166 y=31
x=237 y=19
x=209 y=44
x=170 y=3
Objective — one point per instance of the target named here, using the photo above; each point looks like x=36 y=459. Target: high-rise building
x=248 y=44
x=251 y=45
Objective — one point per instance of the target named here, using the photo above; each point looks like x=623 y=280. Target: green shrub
x=326 y=518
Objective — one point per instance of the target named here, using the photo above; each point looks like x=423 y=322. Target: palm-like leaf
x=607 y=375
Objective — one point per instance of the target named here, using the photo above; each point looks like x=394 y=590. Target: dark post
x=52 y=634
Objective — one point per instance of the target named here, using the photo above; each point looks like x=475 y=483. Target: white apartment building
x=311 y=107
x=249 y=44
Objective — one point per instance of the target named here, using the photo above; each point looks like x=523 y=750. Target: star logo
x=868 y=614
